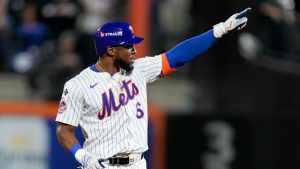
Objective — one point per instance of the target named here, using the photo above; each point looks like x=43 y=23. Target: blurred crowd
x=279 y=28
x=50 y=41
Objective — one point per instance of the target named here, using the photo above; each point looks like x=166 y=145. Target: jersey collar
x=93 y=68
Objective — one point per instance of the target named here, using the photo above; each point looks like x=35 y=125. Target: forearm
x=190 y=48
x=66 y=136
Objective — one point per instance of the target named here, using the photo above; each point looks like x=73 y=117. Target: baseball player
x=108 y=100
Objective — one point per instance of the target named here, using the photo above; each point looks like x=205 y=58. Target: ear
x=110 y=51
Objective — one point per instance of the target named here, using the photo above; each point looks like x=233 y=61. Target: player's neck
x=106 y=66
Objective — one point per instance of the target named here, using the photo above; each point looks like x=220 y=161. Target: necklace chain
x=98 y=65
x=117 y=81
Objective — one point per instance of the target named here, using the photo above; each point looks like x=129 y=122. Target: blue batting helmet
x=114 y=34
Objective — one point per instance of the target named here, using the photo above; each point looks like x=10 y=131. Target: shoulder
x=73 y=87
x=147 y=60
x=76 y=80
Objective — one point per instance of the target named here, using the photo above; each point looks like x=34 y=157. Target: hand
x=87 y=160
x=90 y=162
x=236 y=20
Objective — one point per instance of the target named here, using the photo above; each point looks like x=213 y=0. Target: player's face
x=125 y=57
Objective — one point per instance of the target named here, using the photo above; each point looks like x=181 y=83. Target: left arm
x=190 y=48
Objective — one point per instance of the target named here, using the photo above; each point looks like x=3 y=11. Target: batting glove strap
x=231 y=23
x=219 y=30
x=80 y=154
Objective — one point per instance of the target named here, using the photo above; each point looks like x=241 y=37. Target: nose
x=133 y=50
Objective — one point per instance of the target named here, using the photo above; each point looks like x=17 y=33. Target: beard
x=125 y=65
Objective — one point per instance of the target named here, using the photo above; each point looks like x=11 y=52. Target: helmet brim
x=133 y=41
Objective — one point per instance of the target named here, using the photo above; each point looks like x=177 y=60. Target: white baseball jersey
x=111 y=109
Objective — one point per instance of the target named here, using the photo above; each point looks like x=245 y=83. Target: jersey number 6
x=139 y=112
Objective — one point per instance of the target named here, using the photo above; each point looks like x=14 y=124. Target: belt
x=125 y=159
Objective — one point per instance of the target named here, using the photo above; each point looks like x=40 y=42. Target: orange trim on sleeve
x=166 y=69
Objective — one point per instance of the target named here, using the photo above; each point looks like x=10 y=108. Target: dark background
x=258 y=142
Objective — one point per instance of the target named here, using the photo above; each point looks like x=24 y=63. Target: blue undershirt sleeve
x=189 y=49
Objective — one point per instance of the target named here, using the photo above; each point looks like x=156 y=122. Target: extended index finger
x=243 y=13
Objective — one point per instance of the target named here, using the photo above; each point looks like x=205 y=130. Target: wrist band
x=75 y=148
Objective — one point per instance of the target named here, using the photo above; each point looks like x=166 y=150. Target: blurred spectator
x=279 y=33
x=168 y=17
x=6 y=35
x=31 y=33
x=94 y=14
x=61 y=15
x=54 y=66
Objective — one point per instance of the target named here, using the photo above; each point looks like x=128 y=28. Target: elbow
x=59 y=134
x=65 y=135
x=178 y=65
